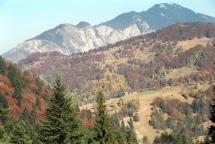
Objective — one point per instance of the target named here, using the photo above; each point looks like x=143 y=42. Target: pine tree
x=4 y=109
x=131 y=135
x=123 y=131
x=52 y=128
x=118 y=134
x=2 y=66
x=37 y=103
x=62 y=124
x=102 y=133
x=20 y=134
x=4 y=136
x=33 y=115
x=210 y=138
x=72 y=123
x=16 y=82
x=29 y=117
x=181 y=139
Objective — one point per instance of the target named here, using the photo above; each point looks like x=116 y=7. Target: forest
x=63 y=123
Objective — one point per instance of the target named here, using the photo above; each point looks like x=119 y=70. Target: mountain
x=178 y=54
x=157 y=17
x=23 y=94
x=68 y=38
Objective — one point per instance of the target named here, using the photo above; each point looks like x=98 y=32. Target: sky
x=24 y=19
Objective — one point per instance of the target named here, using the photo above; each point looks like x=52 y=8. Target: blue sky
x=24 y=19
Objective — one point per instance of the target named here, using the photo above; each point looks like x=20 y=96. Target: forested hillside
x=21 y=94
x=179 y=54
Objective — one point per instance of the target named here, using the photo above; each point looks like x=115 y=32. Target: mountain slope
x=23 y=94
x=68 y=38
x=157 y=17
x=178 y=54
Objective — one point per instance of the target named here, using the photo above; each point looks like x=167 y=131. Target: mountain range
x=68 y=39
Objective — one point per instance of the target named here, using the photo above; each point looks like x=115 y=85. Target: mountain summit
x=158 y=16
x=68 y=38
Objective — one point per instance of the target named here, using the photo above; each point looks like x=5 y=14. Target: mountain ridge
x=69 y=38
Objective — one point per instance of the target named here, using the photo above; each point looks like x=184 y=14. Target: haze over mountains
x=68 y=38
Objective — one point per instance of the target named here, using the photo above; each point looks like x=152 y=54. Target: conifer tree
x=20 y=134
x=131 y=135
x=4 y=109
x=4 y=136
x=29 y=117
x=5 y=119
x=62 y=124
x=118 y=133
x=102 y=133
x=210 y=138
x=37 y=103
x=16 y=82
x=123 y=130
x=33 y=115
x=73 y=127
x=52 y=128
x=2 y=66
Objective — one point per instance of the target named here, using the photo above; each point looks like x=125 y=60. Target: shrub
x=136 y=117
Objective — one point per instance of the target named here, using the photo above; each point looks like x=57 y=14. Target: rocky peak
x=83 y=24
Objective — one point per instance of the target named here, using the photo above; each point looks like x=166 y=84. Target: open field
x=187 y=44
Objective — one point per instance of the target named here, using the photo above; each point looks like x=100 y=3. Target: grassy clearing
x=181 y=72
x=186 y=45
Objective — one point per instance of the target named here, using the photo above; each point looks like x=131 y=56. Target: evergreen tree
x=210 y=138
x=37 y=103
x=29 y=117
x=72 y=123
x=16 y=82
x=4 y=136
x=33 y=115
x=52 y=128
x=2 y=66
x=25 y=115
x=102 y=133
x=123 y=131
x=165 y=138
x=131 y=135
x=20 y=134
x=4 y=109
x=118 y=135
x=181 y=139
x=173 y=138
x=62 y=124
